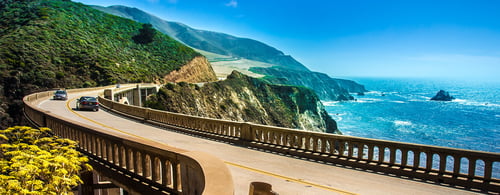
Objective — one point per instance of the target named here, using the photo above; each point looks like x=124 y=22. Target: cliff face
x=197 y=70
x=327 y=88
x=243 y=98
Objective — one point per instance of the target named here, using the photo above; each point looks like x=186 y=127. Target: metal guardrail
x=475 y=170
x=158 y=168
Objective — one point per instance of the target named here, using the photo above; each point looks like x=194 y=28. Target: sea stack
x=442 y=95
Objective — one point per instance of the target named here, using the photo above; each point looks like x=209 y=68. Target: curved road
x=287 y=175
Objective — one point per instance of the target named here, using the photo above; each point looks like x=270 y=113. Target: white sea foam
x=399 y=102
x=330 y=103
x=474 y=103
x=402 y=123
x=368 y=100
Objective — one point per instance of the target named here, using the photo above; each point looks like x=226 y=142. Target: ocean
x=401 y=110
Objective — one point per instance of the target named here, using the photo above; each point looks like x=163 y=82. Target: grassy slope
x=54 y=43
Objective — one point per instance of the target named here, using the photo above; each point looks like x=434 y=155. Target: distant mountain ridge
x=280 y=68
x=219 y=43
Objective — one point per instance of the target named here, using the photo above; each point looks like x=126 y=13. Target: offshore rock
x=246 y=99
x=442 y=96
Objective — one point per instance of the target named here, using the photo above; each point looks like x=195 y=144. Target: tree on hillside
x=146 y=34
x=34 y=162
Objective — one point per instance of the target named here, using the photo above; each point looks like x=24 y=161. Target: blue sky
x=420 y=38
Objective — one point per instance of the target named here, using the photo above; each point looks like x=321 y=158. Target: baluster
x=306 y=142
x=361 y=150
x=323 y=145
x=392 y=156
x=472 y=168
x=456 y=165
x=342 y=148
x=428 y=165
x=314 y=144
x=370 y=152
x=381 y=154
x=416 y=160
x=442 y=163
x=404 y=158
x=137 y=163
x=145 y=165
x=129 y=160
x=177 y=177
x=165 y=172
x=488 y=168
x=350 y=149
x=156 y=170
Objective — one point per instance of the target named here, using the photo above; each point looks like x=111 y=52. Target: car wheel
x=96 y=109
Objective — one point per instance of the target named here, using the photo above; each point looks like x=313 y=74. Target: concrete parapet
x=138 y=165
x=467 y=168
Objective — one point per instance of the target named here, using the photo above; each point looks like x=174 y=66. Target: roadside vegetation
x=48 y=44
x=34 y=162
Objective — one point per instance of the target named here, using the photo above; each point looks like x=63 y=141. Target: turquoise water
x=400 y=110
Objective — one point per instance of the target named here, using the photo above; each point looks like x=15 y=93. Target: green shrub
x=34 y=162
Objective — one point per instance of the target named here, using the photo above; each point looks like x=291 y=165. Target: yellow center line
x=98 y=123
x=290 y=179
x=226 y=162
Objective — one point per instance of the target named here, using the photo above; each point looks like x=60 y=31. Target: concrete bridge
x=145 y=151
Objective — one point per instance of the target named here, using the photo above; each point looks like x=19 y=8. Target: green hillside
x=215 y=42
x=227 y=53
x=48 y=44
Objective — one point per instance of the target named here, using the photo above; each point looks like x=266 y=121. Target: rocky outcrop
x=246 y=99
x=196 y=71
x=442 y=96
x=326 y=87
x=351 y=86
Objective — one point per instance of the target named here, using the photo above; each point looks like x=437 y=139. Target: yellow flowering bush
x=34 y=162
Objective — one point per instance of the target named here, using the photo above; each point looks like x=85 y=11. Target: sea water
x=401 y=110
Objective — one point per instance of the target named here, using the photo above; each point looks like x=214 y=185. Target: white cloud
x=232 y=3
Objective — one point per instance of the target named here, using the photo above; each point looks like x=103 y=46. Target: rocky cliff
x=243 y=98
x=197 y=70
x=327 y=88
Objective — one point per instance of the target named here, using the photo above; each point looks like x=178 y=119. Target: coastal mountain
x=214 y=42
x=47 y=44
x=227 y=53
x=247 y=99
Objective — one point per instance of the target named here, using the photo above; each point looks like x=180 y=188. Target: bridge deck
x=287 y=175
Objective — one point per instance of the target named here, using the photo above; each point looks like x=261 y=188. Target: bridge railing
x=466 y=168
x=158 y=167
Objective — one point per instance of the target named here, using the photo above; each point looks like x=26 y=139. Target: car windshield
x=60 y=92
x=91 y=99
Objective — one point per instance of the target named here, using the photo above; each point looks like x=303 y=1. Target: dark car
x=87 y=103
x=60 y=95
